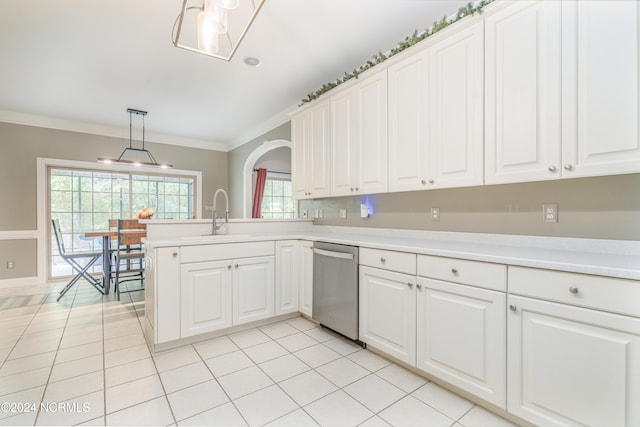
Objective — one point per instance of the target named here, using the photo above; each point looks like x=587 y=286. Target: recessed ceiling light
x=251 y=61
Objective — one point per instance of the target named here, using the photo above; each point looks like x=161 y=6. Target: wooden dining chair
x=128 y=255
x=74 y=260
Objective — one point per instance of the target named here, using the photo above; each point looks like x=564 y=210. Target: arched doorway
x=247 y=192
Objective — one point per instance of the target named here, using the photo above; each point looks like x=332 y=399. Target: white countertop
x=615 y=258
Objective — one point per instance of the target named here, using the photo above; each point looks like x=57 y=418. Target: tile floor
x=84 y=361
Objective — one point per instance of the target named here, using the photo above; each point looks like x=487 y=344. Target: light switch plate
x=364 y=211
x=343 y=214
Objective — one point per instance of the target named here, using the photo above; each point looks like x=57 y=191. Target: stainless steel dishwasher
x=335 y=287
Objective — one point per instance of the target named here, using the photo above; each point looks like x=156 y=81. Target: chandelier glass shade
x=214 y=27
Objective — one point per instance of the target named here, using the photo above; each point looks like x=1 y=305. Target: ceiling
x=78 y=65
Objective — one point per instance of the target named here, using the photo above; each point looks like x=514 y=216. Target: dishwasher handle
x=333 y=254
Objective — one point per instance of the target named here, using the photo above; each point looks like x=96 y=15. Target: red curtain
x=257 y=197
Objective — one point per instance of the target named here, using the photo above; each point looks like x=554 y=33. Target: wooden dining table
x=107 y=237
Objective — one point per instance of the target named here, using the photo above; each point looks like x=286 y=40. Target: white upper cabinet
x=456 y=109
x=522 y=93
x=359 y=137
x=408 y=123
x=310 y=165
x=601 y=60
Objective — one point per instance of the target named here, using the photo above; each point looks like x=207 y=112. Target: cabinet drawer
x=199 y=253
x=598 y=292
x=402 y=262
x=474 y=273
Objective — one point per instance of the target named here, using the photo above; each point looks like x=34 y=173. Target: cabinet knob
x=454 y=271
x=357 y=189
x=431 y=181
x=568 y=166
x=410 y=285
x=236 y=265
x=574 y=290
x=383 y=260
x=229 y=267
x=552 y=168
x=513 y=308
x=175 y=254
x=351 y=188
x=423 y=182
x=419 y=286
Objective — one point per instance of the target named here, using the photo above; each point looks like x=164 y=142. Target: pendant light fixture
x=121 y=160
x=202 y=24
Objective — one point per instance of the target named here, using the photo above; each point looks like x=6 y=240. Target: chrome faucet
x=215 y=228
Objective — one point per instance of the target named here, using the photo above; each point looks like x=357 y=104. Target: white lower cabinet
x=253 y=289
x=287 y=276
x=570 y=365
x=461 y=337
x=388 y=312
x=305 y=272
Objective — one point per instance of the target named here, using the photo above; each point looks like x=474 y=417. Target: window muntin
x=278 y=201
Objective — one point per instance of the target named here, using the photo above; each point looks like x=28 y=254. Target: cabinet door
x=371 y=122
x=462 y=337
x=456 y=115
x=388 y=312
x=319 y=165
x=287 y=276
x=205 y=298
x=572 y=366
x=408 y=124
x=299 y=154
x=306 y=278
x=522 y=78
x=253 y=289
x=601 y=93
x=343 y=143
x=166 y=290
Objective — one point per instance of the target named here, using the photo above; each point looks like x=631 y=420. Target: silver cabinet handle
x=236 y=265
x=229 y=267
x=383 y=260
x=351 y=188
x=552 y=168
x=419 y=286
x=513 y=308
x=454 y=271
x=175 y=254
x=574 y=290
x=423 y=182
x=410 y=285
x=431 y=181
x=568 y=166
x=357 y=189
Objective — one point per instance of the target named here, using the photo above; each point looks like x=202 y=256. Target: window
x=84 y=200
x=278 y=201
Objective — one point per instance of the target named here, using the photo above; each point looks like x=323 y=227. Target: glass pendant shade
x=216 y=15
x=228 y=4
x=207 y=34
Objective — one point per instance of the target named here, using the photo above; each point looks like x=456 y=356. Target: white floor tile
x=302 y=324
x=296 y=342
x=338 y=409
x=480 y=417
x=23 y=381
x=22 y=419
x=126 y=355
x=194 y=400
x=246 y=381
x=249 y=338
x=185 y=376
x=284 y=367
x=307 y=387
x=375 y=421
x=410 y=412
x=321 y=334
x=154 y=412
x=265 y=351
x=279 y=330
x=317 y=355
x=64 y=390
x=228 y=363
x=172 y=359
x=342 y=372
x=374 y=392
x=132 y=393
x=216 y=347
x=369 y=360
x=265 y=405
x=77 y=367
x=297 y=418
x=24 y=364
x=402 y=378
x=223 y=415
x=79 y=352
x=342 y=346
x=77 y=410
x=129 y=372
x=450 y=404
x=27 y=397
x=119 y=343
x=29 y=347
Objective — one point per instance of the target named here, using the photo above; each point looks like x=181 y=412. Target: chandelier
x=214 y=27
x=136 y=151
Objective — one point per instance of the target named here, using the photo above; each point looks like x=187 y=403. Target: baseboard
x=20 y=281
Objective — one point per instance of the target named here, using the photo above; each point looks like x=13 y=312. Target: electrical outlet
x=550 y=213
x=321 y=213
x=10 y=265
x=435 y=214
x=343 y=214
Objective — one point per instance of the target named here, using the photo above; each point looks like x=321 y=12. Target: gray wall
x=238 y=157
x=601 y=207
x=20 y=146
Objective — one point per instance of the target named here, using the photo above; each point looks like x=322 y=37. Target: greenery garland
x=469 y=9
